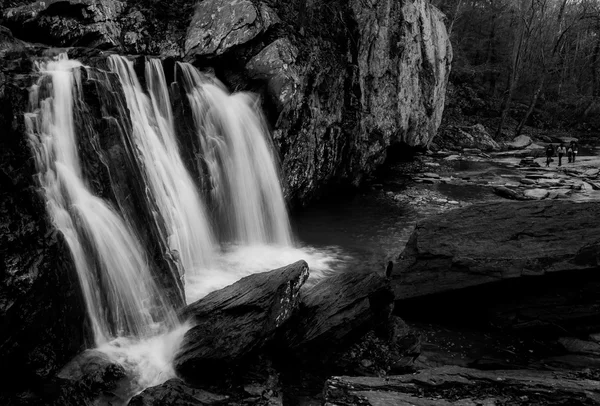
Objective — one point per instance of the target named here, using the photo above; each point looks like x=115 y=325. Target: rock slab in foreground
x=490 y=242
x=341 y=306
x=452 y=385
x=235 y=320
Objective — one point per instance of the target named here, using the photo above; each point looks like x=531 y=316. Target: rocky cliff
x=340 y=81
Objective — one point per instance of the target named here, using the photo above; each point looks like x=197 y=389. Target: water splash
x=119 y=292
x=175 y=193
x=244 y=182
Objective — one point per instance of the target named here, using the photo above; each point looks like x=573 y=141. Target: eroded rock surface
x=490 y=242
x=230 y=323
x=218 y=25
x=453 y=385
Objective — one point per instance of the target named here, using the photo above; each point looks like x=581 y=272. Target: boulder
x=175 y=392
x=519 y=142
x=536 y=194
x=230 y=323
x=337 y=310
x=275 y=65
x=453 y=385
x=508 y=193
x=89 y=23
x=487 y=243
x=474 y=137
x=219 y=25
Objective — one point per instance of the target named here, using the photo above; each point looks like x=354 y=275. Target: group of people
x=570 y=152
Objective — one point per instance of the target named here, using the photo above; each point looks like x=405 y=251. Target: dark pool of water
x=370 y=229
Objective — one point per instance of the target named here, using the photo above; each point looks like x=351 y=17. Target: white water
x=129 y=316
x=243 y=178
x=154 y=136
x=120 y=295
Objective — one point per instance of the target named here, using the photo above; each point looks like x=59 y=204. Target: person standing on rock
x=574 y=150
x=549 y=154
x=570 y=153
x=561 y=152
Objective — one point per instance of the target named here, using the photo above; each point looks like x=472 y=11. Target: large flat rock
x=230 y=323
x=491 y=242
x=452 y=385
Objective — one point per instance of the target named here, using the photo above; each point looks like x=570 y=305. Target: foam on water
x=147 y=362
x=239 y=261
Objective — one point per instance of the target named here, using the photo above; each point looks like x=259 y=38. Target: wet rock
x=175 y=392
x=89 y=23
x=452 y=385
x=219 y=25
x=232 y=322
x=336 y=310
x=536 y=194
x=275 y=64
x=389 y=349
x=487 y=243
x=591 y=173
x=431 y=175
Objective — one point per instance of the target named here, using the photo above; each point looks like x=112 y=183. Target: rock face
x=369 y=76
x=230 y=323
x=341 y=81
x=490 y=242
x=218 y=25
x=90 y=23
x=340 y=306
x=453 y=385
x=527 y=264
x=458 y=138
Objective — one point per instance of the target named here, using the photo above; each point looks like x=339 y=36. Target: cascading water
x=244 y=182
x=119 y=292
x=171 y=185
x=125 y=306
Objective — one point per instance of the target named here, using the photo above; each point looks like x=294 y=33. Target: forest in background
x=520 y=63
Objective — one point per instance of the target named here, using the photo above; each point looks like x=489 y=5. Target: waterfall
x=243 y=178
x=172 y=187
x=120 y=295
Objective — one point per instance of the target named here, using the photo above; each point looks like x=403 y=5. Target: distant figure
x=389 y=269
x=575 y=150
x=549 y=154
x=561 y=152
x=570 y=153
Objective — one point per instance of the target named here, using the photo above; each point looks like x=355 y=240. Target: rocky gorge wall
x=340 y=81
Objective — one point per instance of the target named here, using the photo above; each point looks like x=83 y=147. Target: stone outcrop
x=490 y=242
x=458 y=138
x=219 y=25
x=230 y=323
x=452 y=385
x=91 y=23
x=341 y=81
x=526 y=265
x=338 y=309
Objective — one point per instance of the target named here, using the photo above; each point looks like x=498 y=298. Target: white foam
x=236 y=262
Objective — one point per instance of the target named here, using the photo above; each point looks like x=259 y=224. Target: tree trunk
x=512 y=79
x=534 y=99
